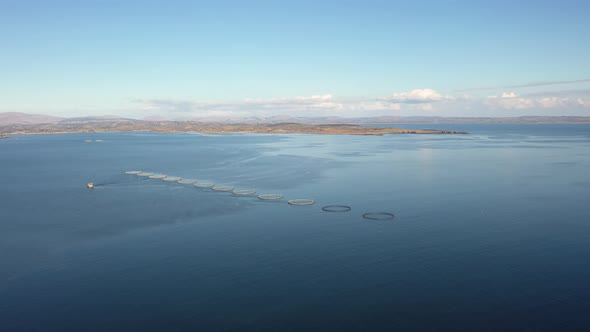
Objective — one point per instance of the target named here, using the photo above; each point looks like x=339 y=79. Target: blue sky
x=183 y=59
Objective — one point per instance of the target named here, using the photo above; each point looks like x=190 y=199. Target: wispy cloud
x=324 y=102
x=525 y=85
x=566 y=92
x=512 y=101
x=174 y=105
x=249 y=107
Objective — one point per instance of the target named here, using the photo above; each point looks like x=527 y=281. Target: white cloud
x=550 y=102
x=509 y=95
x=417 y=96
x=512 y=101
x=509 y=101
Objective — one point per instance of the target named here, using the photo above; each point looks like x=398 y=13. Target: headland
x=128 y=125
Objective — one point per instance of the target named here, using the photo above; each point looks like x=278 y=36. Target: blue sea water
x=491 y=232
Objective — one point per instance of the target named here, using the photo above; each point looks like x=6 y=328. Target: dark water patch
x=564 y=163
x=584 y=184
x=352 y=154
x=379 y=216
x=517 y=146
x=542 y=198
x=557 y=141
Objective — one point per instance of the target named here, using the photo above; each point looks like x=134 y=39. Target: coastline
x=213 y=128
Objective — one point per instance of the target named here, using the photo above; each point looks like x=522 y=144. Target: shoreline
x=215 y=128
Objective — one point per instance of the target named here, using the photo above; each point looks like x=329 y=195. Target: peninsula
x=130 y=125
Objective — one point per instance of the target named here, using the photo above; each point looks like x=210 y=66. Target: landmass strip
x=208 y=128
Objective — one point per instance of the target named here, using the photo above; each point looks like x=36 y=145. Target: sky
x=186 y=59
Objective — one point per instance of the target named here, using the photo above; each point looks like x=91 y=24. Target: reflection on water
x=490 y=231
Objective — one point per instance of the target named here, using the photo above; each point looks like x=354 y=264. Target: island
x=208 y=128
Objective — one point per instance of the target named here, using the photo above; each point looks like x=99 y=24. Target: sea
x=490 y=231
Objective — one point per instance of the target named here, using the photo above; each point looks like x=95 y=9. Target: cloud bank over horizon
x=416 y=102
x=413 y=102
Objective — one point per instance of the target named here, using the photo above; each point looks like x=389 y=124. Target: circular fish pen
x=336 y=208
x=244 y=192
x=204 y=184
x=301 y=202
x=171 y=179
x=270 y=197
x=378 y=216
x=187 y=181
x=223 y=188
x=145 y=174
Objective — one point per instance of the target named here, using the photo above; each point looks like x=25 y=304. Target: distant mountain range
x=15 y=118
x=24 y=118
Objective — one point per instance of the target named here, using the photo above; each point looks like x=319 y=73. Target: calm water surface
x=492 y=232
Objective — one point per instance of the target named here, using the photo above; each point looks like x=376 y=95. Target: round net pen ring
x=378 y=216
x=172 y=179
x=244 y=192
x=146 y=174
x=336 y=208
x=132 y=172
x=204 y=184
x=270 y=197
x=223 y=188
x=187 y=181
x=301 y=202
x=157 y=176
